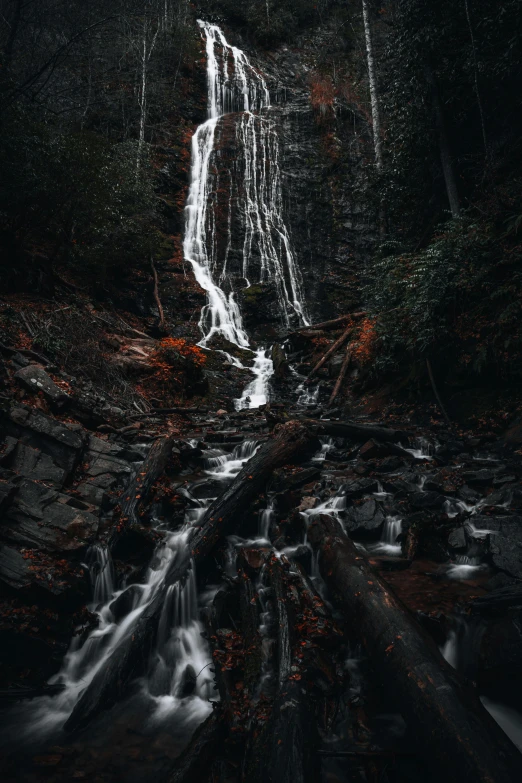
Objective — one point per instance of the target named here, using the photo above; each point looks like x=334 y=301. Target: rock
x=479 y=478
x=284 y=479
x=366 y=517
x=356 y=489
x=125 y=602
x=221 y=412
x=7 y=493
x=457 y=538
x=505 y=543
x=14 y=569
x=389 y=464
x=373 y=449
x=103 y=464
x=307 y=504
x=35 y=379
x=32 y=463
x=187 y=685
x=43 y=518
x=40 y=431
x=430 y=500
x=468 y=495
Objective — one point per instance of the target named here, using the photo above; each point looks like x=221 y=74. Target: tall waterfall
x=237 y=92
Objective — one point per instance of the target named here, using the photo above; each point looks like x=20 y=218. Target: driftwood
x=349 y=429
x=337 y=344
x=438 y=705
x=141 y=484
x=293 y=442
x=342 y=373
x=168 y=412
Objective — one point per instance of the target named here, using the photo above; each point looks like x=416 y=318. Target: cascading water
x=236 y=88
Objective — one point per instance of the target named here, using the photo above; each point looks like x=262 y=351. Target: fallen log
x=329 y=324
x=292 y=442
x=350 y=429
x=284 y=748
x=140 y=485
x=337 y=344
x=195 y=761
x=440 y=707
x=342 y=373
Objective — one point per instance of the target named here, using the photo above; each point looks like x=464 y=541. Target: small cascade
x=266 y=517
x=391 y=531
x=422 y=449
x=308 y=395
x=257 y=392
x=101 y=574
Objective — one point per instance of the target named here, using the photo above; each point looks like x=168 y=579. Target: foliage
x=177 y=371
x=458 y=299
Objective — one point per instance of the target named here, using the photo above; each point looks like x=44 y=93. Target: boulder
x=43 y=518
x=457 y=538
x=367 y=517
x=479 y=478
x=34 y=464
x=431 y=500
x=14 y=569
x=505 y=543
x=36 y=380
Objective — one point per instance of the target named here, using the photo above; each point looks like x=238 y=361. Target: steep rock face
x=320 y=153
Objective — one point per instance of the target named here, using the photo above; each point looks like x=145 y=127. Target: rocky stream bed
x=247 y=640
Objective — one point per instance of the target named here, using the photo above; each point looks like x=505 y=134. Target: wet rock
x=366 y=517
x=125 y=602
x=188 y=682
x=479 y=478
x=307 y=504
x=43 y=518
x=457 y=538
x=7 y=493
x=390 y=464
x=103 y=464
x=284 y=479
x=430 y=500
x=63 y=444
x=373 y=449
x=505 y=543
x=32 y=463
x=356 y=489
x=36 y=380
x=468 y=495
x=14 y=569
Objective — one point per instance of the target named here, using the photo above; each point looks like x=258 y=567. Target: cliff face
x=309 y=153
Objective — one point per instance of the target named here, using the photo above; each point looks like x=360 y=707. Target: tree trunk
x=436 y=702
x=329 y=324
x=374 y=97
x=141 y=484
x=337 y=344
x=340 y=379
x=292 y=442
x=444 y=147
x=348 y=429
x=157 y=299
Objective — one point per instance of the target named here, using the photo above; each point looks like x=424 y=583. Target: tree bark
x=329 y=324
x=436 y=702
x=157 y=299
x=337 y=344
x=292 y=442
x=340 y=379
x=374 y=97
x=349 y=429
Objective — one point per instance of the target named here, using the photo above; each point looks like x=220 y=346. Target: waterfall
x=236 y=88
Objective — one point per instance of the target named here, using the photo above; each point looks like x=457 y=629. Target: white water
x=257 y=392
x=235 y=86
x=391 y=531
x=179 y=642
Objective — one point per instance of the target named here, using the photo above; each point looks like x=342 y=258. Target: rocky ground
x=70 y=454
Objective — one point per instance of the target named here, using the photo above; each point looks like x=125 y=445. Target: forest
x=260 y=373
